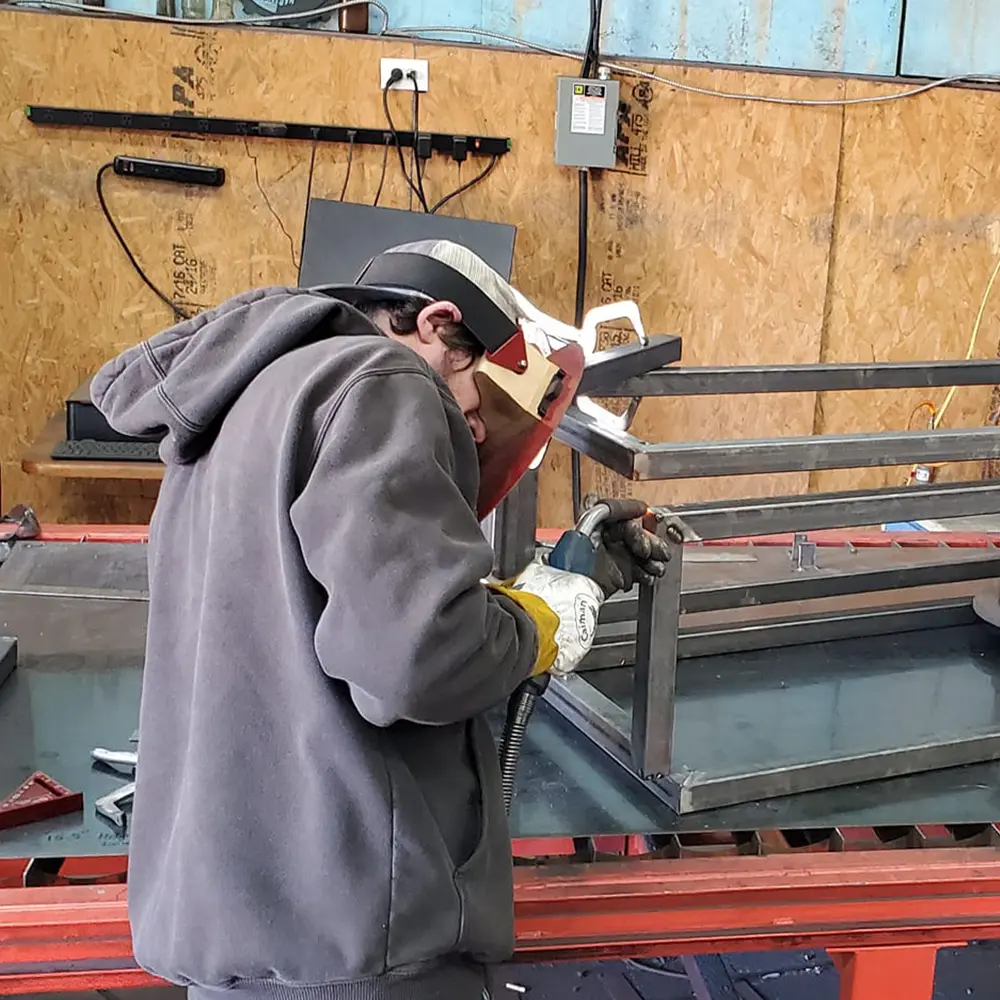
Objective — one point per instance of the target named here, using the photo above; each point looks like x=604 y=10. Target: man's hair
x=402 y=315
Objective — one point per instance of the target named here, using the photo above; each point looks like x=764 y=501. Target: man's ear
x=435 y=315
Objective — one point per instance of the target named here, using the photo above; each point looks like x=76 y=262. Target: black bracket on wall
x=452 y=144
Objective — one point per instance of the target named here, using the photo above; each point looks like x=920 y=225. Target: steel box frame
x=643 y=742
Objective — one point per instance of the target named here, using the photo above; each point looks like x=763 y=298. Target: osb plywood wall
x=760 y=233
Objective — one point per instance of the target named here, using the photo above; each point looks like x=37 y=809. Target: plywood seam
x=831 y=263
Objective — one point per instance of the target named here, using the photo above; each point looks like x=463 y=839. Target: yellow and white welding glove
x=609 y=551
x=564 y=607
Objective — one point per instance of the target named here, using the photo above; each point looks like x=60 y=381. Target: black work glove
x=628 y=553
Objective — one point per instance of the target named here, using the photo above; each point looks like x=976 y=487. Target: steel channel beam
x=820 y=511
x=592 y=712
x=748 y=379
x=511 y=528
x=657 y=628
x=636 y=459
x=702 y=459
x=607 y=369
x=613 y=448
x=804 y=585
x=615 y=645
x=696 y=791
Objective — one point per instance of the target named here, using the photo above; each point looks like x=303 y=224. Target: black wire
x=647 y=966
x=591 y=60
x=482 y=175
x=385 y=164
x=395 y=136
x=416 y=135
x=309 y=187
x=350 y=160
x=581 y=244
x=179 y=313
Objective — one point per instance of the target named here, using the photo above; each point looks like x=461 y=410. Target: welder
x=318 y=811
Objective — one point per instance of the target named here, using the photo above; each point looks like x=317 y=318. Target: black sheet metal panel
x=782 y=721
x=749 y=379
x=341 y=237
x=77 y=686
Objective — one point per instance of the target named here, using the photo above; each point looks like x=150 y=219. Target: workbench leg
x=887 y=973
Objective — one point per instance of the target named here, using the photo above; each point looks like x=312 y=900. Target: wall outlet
x=418 y=66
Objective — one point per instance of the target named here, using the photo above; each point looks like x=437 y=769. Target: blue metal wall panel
x=852 y=36
x=948 y=37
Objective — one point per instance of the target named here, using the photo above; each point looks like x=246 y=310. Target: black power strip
x=168 y=170
x=453 y=144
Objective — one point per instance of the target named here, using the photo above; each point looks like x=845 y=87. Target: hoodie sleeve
x=384 y=528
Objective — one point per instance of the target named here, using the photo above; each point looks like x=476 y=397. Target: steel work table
x=78 y=681
x=80 y=620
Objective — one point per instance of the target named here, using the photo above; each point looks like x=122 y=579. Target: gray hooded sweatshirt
x=318 y=811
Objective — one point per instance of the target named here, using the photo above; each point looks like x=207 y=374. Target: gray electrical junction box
x=586 y=122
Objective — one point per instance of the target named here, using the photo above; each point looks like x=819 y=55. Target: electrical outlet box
x=586 y=122
x=418 y=66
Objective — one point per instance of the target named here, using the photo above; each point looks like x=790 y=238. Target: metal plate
x=76 y=569
x=762 y=723
x=77 y=686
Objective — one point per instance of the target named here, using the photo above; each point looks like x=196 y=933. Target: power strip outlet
x=418 y=66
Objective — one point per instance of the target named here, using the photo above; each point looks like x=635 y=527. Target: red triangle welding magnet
x=39 y=797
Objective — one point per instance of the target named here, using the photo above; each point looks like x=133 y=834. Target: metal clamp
x=803 y=553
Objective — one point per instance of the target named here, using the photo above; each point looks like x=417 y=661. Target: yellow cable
x=972 y=342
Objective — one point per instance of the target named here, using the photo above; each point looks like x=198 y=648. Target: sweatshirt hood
x=179 y=384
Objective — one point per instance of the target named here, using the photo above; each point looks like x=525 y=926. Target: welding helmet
x=524 y=387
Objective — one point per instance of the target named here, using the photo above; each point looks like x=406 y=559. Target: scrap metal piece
x=19 y=523
x=110 y=806
x=120 y=759
x=986 y=604
x=8 y=656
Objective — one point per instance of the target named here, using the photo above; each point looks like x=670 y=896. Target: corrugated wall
x=852 y=36
x=881 y=37
x=947 y=37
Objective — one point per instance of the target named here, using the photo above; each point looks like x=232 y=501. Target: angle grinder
x=575 y=552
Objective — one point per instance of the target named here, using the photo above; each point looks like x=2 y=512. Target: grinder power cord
x=608 y=551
